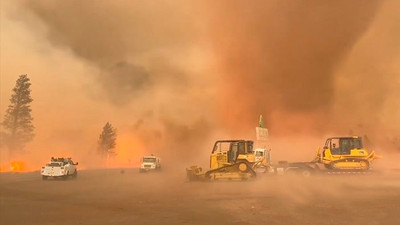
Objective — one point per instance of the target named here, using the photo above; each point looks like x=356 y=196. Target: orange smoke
x=187 y=73
x=129 y=151
x=281 y=58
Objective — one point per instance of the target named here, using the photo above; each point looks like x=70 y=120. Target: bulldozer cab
x=232 y=149
x=342 y=145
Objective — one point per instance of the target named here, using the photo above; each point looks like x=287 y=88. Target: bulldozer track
x=333 y=165
x=350 y=172
x=234 y=168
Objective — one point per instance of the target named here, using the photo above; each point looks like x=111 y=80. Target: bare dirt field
x=114 y=197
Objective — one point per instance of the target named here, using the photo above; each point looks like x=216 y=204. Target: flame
x=17 y=166
x=3 y=168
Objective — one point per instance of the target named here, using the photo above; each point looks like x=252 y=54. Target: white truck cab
x=59 y=167
x=262 y=154
x=150 y=163
x=262 y=159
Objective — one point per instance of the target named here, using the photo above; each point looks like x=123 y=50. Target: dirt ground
x=127 y=197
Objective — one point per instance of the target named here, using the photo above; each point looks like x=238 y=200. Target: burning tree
x=106 y=143
x=18 y=128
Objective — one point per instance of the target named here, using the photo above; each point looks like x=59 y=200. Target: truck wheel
x=64 y=177
x=75 y=174
x=44 y=177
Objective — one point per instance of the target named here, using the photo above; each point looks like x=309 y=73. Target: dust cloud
x=174 y=76
x=109 y=196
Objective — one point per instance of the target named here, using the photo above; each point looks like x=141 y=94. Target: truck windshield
x=259 y=153
x=54 y=164
x=149 y=159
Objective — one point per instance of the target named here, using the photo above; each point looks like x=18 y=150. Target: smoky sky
x=283 y=55
x=114 y=36
x=296 y=62
x=281 y=50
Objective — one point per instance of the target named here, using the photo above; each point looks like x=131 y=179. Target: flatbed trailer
x=307 y=169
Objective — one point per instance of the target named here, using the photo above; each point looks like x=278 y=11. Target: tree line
x=18 y=128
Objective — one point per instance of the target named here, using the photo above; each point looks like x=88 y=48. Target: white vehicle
x=262 y=160
x=262 y=154
x=59 y=167
x=150 y=163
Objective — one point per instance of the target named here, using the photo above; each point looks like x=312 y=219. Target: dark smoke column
x=278 y=58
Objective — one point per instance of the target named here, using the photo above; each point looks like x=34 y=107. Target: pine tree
x=18 y=127
x=107 y=141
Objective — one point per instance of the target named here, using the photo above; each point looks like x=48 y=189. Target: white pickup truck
x=59 y=168
x=150 y=163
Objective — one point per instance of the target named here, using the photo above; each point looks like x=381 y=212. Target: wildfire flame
x=17 y=166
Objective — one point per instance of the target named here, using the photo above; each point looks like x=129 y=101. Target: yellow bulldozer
x=345 y=153
x=229 y=160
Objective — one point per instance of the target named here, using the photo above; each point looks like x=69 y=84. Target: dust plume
x=132 y=197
